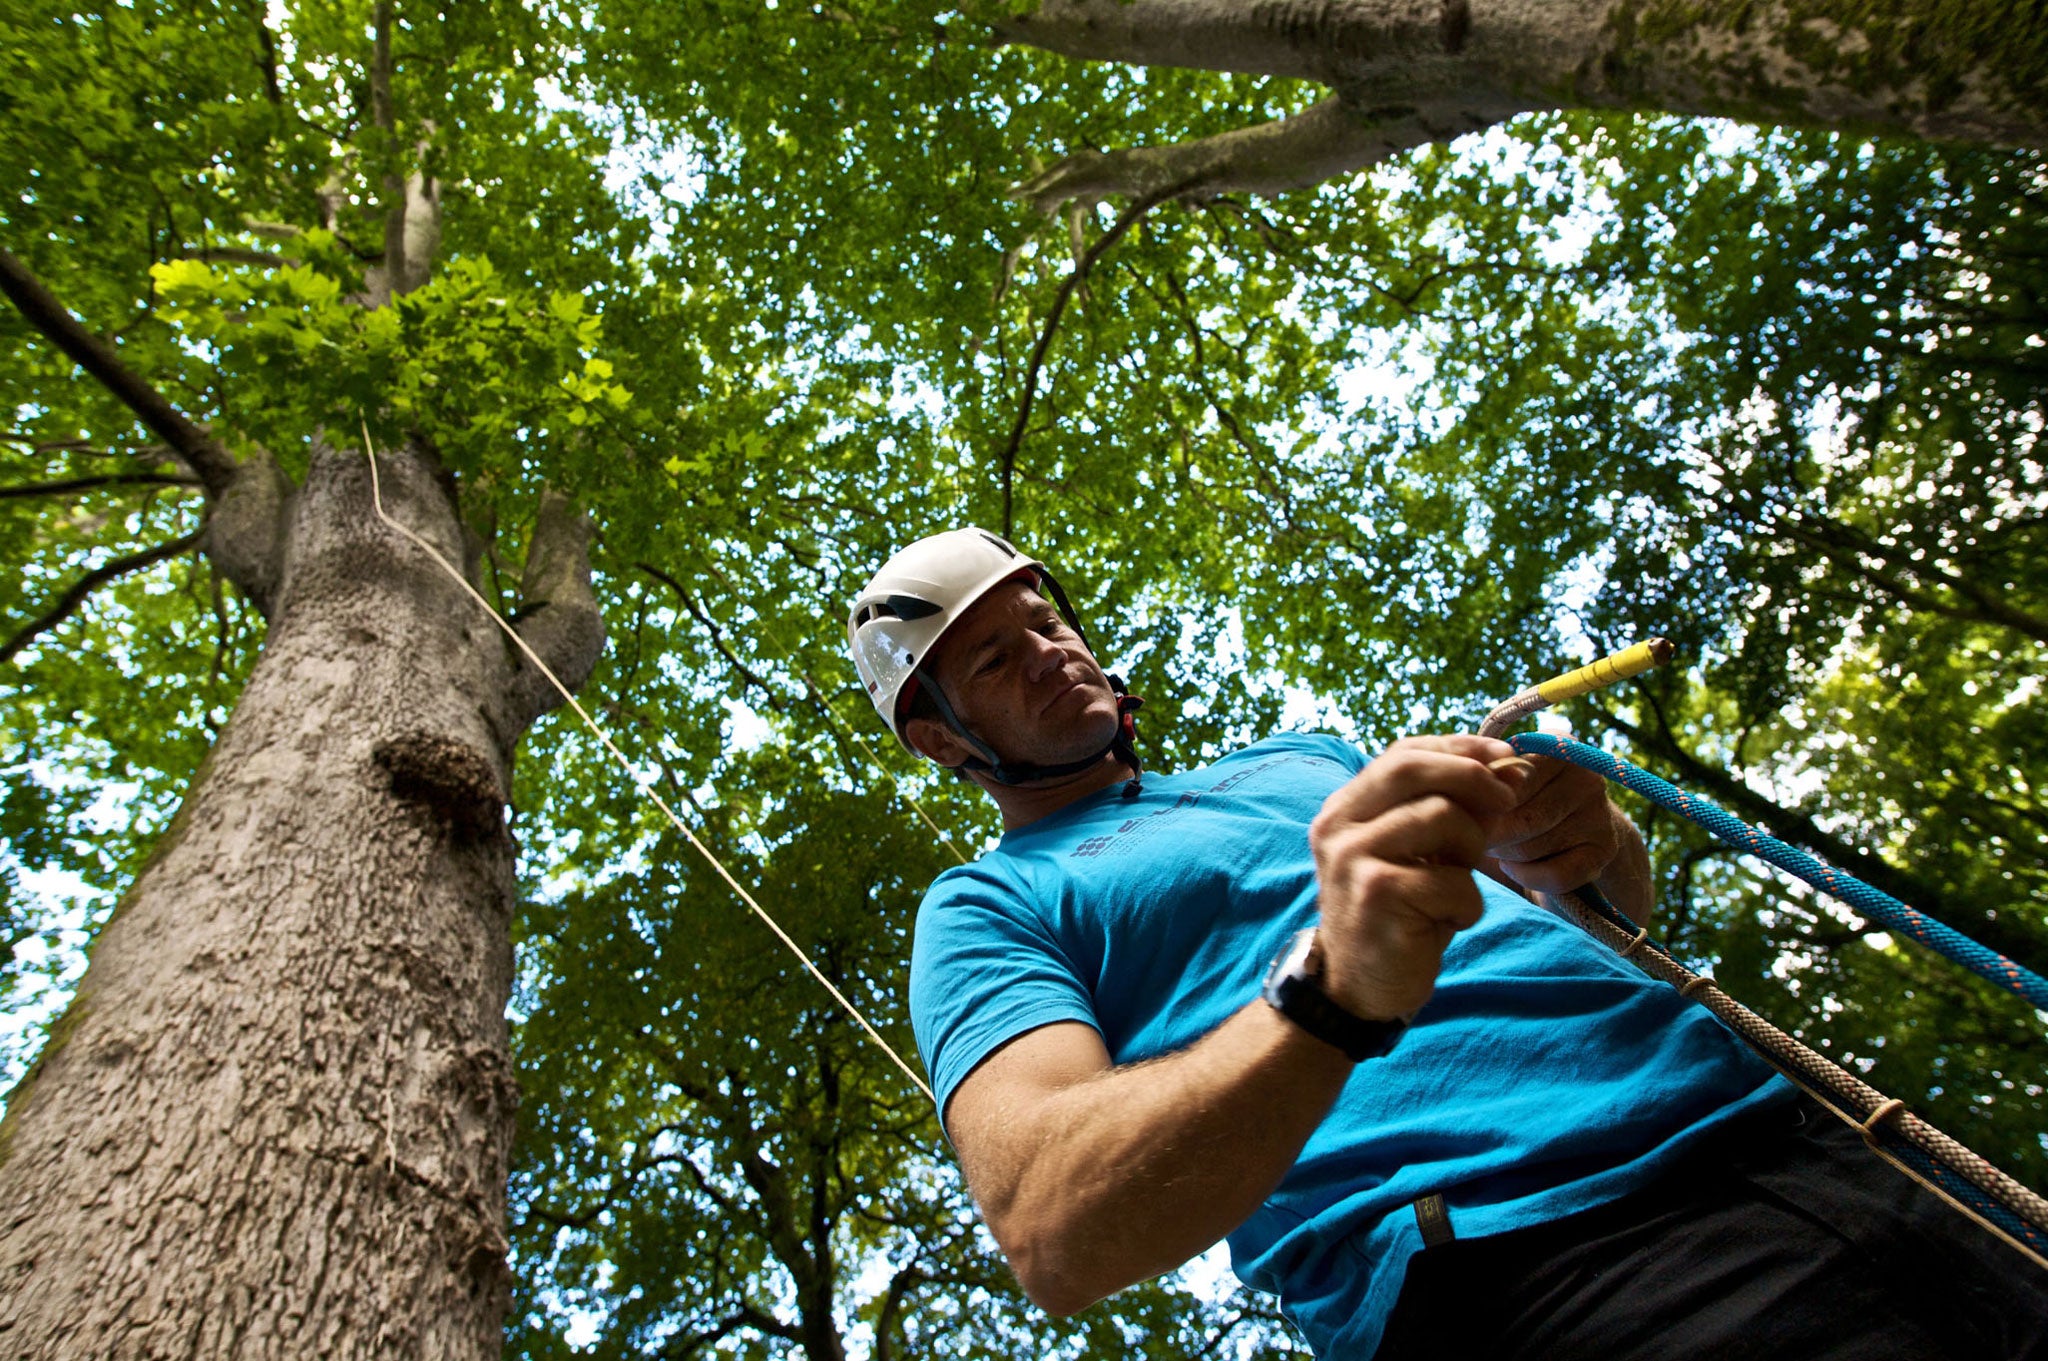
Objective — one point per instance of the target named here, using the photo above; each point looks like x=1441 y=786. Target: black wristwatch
x=1294 y=988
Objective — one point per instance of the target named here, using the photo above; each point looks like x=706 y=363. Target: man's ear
x=934 y=739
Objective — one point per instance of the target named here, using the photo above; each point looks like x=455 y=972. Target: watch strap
x=1294 y=989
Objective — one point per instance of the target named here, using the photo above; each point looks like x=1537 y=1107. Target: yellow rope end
x=1628 y=662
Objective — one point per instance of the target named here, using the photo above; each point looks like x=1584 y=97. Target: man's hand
x=1394 y=850
x=1562 y=833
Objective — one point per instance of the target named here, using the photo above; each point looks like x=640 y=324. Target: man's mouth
x=1061 y=694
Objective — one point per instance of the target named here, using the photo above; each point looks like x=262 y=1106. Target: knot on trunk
x=452 y=778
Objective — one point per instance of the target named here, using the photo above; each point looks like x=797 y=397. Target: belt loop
x=1434 y=1220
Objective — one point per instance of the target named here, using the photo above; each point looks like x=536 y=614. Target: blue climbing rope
x=1880 y=907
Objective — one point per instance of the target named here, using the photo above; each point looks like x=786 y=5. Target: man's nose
x=1042 y=657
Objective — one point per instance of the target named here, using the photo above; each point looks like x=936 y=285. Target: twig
x=240 y=255
x=717 y=641
x=69 y=485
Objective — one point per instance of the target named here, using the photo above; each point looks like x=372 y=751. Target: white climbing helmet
x=905 y=609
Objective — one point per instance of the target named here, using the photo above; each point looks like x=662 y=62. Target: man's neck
x=1023 y=804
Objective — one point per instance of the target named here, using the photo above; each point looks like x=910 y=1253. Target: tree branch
x=2009 y=939
x=196 y=449
x=1008 y=457
x=245 y=535
x=240 y=255
x=564 y=625
x=1497 y=54
x=77 y=484
x=412 y=201
x=1322 y=142
x=745 y=1315
x=268 y=62
x=745 y=673
x=1852 y=549
x=68 y=603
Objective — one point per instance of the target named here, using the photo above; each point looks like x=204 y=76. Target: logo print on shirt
x=1137 y=829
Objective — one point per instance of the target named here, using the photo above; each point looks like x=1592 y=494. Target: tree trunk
x=276 y=1119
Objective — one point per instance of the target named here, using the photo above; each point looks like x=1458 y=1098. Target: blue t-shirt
x=1545 y=1076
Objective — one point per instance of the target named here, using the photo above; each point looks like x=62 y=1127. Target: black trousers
x=1790 y=1240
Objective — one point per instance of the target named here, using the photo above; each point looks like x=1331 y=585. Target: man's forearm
x=1142 y=1167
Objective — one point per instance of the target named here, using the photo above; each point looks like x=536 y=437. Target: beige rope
x=1848 y=1097
x=377 y=504
x=825 y=703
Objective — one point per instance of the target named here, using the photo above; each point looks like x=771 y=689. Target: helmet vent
x=910 y=607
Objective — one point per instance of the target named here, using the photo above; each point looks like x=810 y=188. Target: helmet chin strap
x=986 y=762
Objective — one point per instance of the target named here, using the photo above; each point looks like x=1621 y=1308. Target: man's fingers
x=1453 y=767
x=1556 y=808
x=1430 y=831
x=1559 y=873
x=1384 y=962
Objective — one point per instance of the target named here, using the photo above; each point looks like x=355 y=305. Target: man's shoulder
x=1310 y=743
x=1283 y=750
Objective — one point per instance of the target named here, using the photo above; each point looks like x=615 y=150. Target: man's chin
x=1101 y=732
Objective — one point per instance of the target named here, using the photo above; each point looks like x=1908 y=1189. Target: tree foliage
x=743 y=279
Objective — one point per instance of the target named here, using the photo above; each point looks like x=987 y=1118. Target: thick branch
x=246 y=534
x=1429 y=71
x=382 y=114
x=197 y=450
x=68 y=603
x=1330 y=139
x=1309 y=39
x=412 y=201
x=562 y=622
x=267 y=62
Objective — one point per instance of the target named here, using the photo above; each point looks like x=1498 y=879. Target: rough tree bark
x=1402 y=73
x=276 y=1119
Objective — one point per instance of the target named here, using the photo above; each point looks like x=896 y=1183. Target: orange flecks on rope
x=377 y=504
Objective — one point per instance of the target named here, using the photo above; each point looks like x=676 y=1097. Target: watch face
x=1294 y=959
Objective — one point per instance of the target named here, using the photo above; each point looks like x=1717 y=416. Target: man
x=1437 y=1067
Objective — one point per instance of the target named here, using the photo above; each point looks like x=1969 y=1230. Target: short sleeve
x=985 y=967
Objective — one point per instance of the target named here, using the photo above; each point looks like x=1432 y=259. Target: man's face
x=1022 y=681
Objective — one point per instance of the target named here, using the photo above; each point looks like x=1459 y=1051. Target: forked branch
x=1322 y=142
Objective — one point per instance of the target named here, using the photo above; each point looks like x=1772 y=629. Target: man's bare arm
x=1094 y=1177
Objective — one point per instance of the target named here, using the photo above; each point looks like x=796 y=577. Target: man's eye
x=989 y=667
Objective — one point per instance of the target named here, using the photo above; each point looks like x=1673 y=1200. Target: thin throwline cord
x=377 y=504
